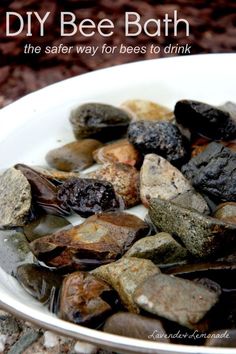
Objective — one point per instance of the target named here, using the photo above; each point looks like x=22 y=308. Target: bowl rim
x=102 y=339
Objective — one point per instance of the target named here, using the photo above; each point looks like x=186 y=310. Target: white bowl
x=38 y=122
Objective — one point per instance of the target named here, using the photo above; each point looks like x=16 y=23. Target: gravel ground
x=212 y=30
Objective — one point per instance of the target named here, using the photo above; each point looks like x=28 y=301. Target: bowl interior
x=39 y=122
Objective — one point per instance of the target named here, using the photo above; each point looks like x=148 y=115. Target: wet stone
x=99 y=240
x=15 y=198
x=147 y=110
x=202 y=235
x=44 y=192
x=124 y=178
x=213 y=171
x=125 y=275
x=161 y=138
x=226 y=212
x=175 y=299
x=39 y=282
x=14 y=250
x=135 y=326
x=209 y=121
x=75 y=156
x=120 y=151
x=160 y=179
x=192 y=200
x=44 y=225
x=100 y=121
x=81 y=299
x=160 y=249
x=222 y=338
x=89 y=196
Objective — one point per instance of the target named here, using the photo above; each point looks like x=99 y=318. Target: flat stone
x=99 y=240
x=124 y=178
x=15 y=198
x=213 y=171
x=100 y=121
x=75 y=156
x=125 y=275
x=226 y=212
x=192 y=200
x=175 y=299
x=202 y=235
x=135 y=326
x=147 y=110
x=160 y=249
x=160 y=179
x=81 y=299
x=120 y=151
x=225 y=338
x=14 y=251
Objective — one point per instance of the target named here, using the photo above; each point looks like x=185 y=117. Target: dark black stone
x=209 y=121
x=161 y=138
x=88 y=196
x=213 y=172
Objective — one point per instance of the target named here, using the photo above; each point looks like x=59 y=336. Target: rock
x=100 y=121
x=26 y=339
x=85 y=348
x=147 y=110
x=51 y=340
x=89 y=196
x=192 y=200
x=55 y=175
x=202 y=235
x=39 y=282
x=160 y=179
x=14 y=251
x=15 y=198
x=125 y=275
x=135 y=326
x=161 y=138
x=226 y=212
x=81 y=299
x=99 y=240
x=207 y=120
x=209 y=284
x=213 y=171
x=75 y=156
x=124 y=178
x=44 y=192
x=44 y=225
x=175 y=299
x=120 y=151
x=225 y=338
x=160 y=249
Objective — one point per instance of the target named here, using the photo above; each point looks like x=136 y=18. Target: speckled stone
x=160 y=179
x=135 y=326
x=125 y=275
x=202 y=235
x=175 y=299
x=147 y=110
x=160 y=249
x=124 y=178
x=120 y=151
x=15 y=198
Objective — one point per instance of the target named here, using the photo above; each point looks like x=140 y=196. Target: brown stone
x=147 y=110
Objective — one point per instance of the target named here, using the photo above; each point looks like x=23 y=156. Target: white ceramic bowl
x=38 y=122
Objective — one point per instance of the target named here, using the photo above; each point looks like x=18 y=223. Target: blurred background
x=212 y=30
